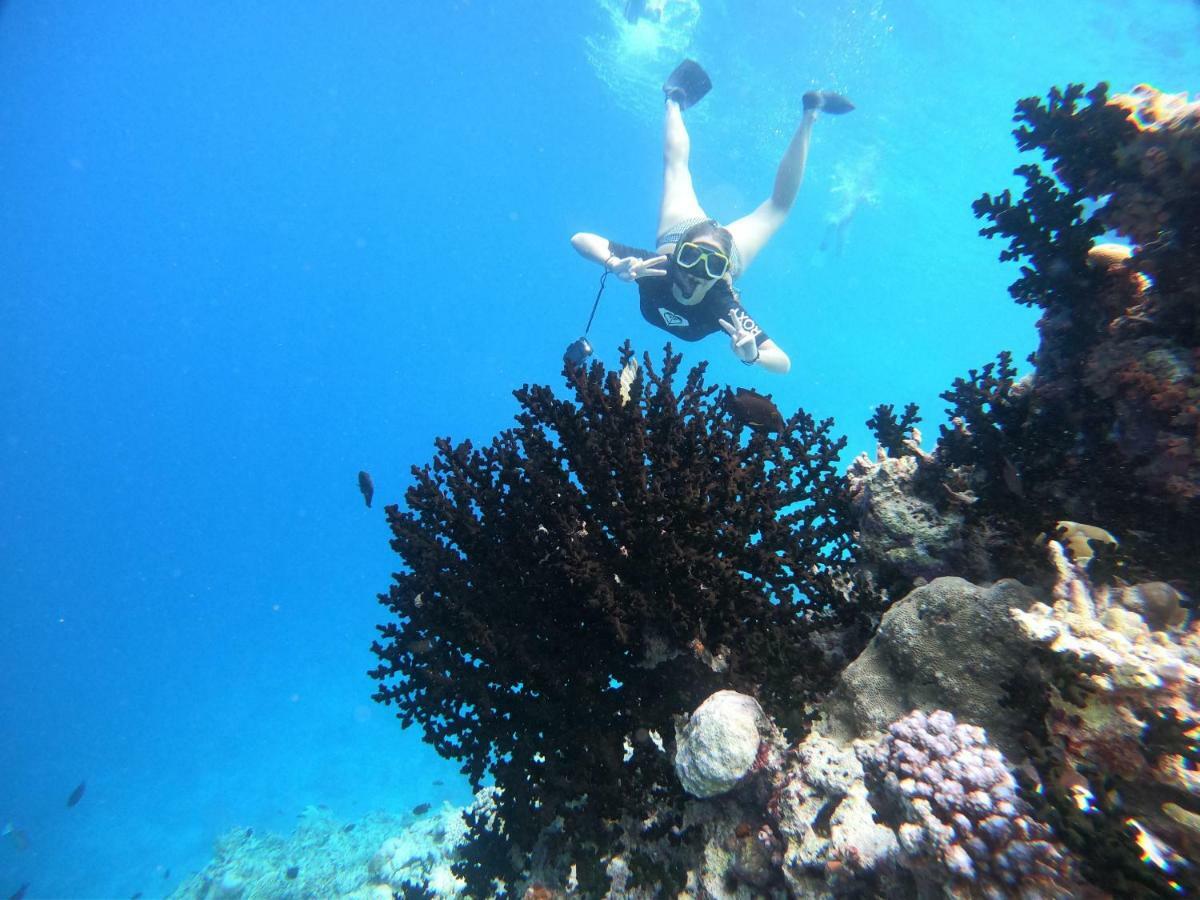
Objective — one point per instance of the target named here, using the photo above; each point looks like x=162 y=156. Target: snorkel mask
x=694 y=262
x=690 y=256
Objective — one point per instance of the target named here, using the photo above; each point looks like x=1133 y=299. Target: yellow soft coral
x=1151 y=109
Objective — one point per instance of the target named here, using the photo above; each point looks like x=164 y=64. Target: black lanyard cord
x=596 y=304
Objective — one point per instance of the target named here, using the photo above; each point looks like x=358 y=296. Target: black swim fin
x=687 y=84
x=828 y=101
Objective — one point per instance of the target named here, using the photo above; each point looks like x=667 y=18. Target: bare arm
x=592 y=247
x=771 y=358
x=628 y=268
x=743 y=341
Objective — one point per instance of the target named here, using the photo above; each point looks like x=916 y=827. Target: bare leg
x=679 y=196
x=752 y=232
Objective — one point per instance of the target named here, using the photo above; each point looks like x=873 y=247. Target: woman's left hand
x=741 y=340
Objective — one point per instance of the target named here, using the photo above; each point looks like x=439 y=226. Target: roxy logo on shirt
x=743 y=321
x=672 y=320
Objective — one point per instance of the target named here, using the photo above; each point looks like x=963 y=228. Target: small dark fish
x=293 y=872
x=349 y=828
x=753 y=409
x=438 y=782
x=17 y=836
x=367 y=486
x=77 y=794
x=137 y=896
x=166 y=874
x=420 y=809
x=20 y=892
x=1012 y=478
x=249 y=832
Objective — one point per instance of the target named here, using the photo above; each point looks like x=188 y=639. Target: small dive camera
x=577 y=352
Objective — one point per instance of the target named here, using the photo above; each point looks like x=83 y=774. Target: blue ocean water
x=251 y=248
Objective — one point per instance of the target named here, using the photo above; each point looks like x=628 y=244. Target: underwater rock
x=897 y=529
x=948 y=645
x=824 y=814
x=726 y=738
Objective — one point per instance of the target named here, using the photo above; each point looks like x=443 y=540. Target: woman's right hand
x=630 y=268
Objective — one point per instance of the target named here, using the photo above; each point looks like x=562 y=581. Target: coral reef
x=574 y=588
x=959 y=818
x=371 y=859
x=1108 y=428
x=1125 y=713
x=833 y=843
x=421 y=856
x=903 y=536
x=1105 y=430
x=622 y=556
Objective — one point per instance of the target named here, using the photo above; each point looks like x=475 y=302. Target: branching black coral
x=1082 y=142
x=597 y=570
x=892 y=433
x=1106 y=428
x=984 y=412
x=1047 y=232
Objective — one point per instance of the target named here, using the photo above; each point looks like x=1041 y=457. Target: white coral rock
x=719 y=744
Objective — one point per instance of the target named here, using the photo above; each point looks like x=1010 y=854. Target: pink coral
x=961 y=819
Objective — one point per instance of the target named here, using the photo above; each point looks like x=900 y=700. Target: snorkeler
x=686 y=286
x=643 y=9
x=839 y=224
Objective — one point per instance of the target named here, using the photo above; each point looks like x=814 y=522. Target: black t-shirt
x=690 y=323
